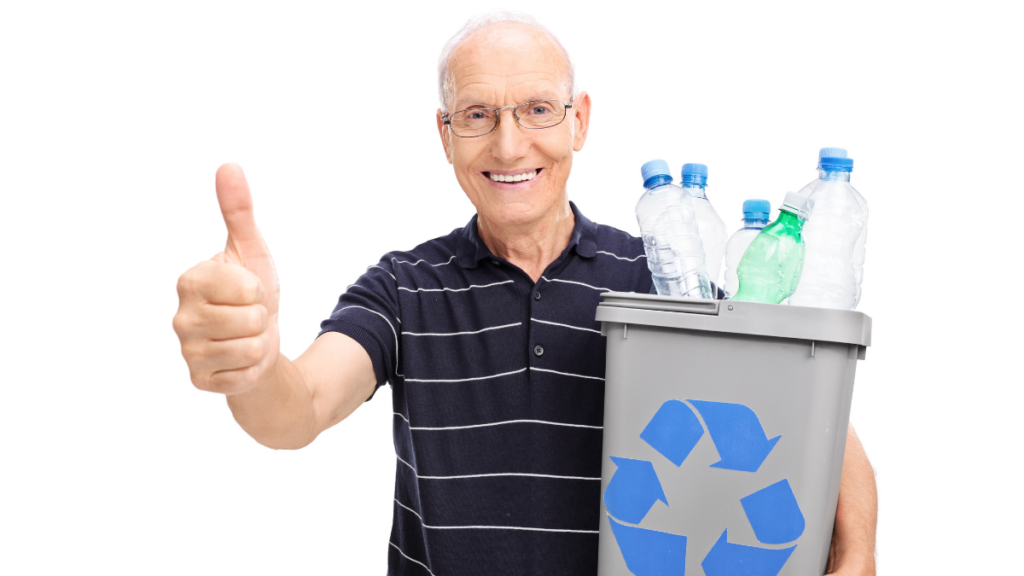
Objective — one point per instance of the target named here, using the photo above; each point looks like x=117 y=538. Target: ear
x=581 y=116
x=445 y=136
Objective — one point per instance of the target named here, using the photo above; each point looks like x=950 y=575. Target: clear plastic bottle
x=835 y=236
x=668 y=225
x=755 y=218
x=712 y=228
x=771 y=266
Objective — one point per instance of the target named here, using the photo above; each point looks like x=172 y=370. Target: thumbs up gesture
x=227 y=313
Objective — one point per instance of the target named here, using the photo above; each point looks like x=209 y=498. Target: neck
x=833 y=175
x=695 y=190
x=532 y=246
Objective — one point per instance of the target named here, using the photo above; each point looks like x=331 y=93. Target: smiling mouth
x=513 y=178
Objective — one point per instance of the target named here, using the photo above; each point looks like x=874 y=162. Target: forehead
x=507 y=63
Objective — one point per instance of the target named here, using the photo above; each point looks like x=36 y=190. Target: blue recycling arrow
x=774 y=514
x=727 y=559
x=737 y=434
x=673 y=431
x=649 y=552
x=632 y=490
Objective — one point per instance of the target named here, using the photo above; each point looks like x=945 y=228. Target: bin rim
x=725 y=316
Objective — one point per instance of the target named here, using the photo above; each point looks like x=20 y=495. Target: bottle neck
x=695 y=190
x=834 y=175
x=757 y=223
x=790 y=218
x=655 y=181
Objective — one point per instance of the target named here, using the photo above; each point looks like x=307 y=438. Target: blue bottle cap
x=655 y=172
x=756 y=209
x=694 y=174
x=832 y=153
x=834 y=159
x=836 y=164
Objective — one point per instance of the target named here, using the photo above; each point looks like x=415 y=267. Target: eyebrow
x=461 y=104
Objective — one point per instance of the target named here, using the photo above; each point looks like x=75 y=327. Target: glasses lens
x=473 y=122
x=543 y=114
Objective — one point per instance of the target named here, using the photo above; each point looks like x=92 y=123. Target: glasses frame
x=447 y=121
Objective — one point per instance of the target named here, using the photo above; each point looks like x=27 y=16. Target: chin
x=515 y=213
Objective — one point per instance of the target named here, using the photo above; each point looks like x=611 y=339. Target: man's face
x=506 y=65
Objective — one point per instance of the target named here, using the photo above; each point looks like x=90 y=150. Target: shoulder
x=614 y=243
x=431 y=253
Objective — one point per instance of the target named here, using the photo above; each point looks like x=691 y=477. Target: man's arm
x=228 y=327
x=853 y=538
x=296 y=401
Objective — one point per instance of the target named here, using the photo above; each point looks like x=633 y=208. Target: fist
x=227 y=312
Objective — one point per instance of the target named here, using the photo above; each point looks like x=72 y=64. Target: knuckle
x=256 y=319
x=234 y=381
x=253 y=350
x=192 y=353
x=179 y=324
x=249 y=287
x=186 y=285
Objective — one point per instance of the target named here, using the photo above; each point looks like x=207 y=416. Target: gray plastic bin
x=724 y=432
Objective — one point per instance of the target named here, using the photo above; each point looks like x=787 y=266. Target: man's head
x=508 y=61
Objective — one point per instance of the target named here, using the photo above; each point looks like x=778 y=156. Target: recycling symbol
x=742 y=445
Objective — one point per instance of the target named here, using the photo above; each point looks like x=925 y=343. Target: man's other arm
x=853 y=538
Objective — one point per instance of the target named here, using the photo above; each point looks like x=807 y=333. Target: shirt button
x=538 y=350
x=536 y=295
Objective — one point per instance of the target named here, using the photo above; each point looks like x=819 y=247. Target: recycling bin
x=724 y=431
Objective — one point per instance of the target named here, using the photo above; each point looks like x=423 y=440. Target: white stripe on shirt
x=454 y=289
x=392 y=326
x=385 y=271
x=566 y=326
x=566 y=373
x=438 y=428
x=393 y=545
x=575 y=282
x=489 y=527
x=620 y=257
x=397 y=261
x=461 y=333
x=465 y=379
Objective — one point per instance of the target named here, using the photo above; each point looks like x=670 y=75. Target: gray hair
x=446 y=84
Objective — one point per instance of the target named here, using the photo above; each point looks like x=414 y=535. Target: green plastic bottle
x=770 y=268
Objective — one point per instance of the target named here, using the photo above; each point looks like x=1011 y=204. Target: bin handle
x=661 y=303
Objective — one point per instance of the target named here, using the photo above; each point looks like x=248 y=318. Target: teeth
x=516 y=178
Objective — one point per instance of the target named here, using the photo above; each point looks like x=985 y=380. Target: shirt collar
x=471 y=249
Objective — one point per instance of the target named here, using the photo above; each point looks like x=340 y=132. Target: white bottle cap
x=795 y=203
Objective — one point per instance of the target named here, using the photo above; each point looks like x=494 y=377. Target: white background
x=114 y=117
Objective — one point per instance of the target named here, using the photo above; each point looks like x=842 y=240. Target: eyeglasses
x=476 y=122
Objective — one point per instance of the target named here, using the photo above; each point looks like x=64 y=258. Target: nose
x=510 y=142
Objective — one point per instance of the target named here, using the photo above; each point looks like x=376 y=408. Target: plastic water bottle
x=712 y=229
x=770 y=268
x=755 y=218
x=835 y=235
x=668 y=225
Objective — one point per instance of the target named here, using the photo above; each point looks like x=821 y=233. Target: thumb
x=236 y=207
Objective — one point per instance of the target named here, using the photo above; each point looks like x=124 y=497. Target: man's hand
x=227 y=313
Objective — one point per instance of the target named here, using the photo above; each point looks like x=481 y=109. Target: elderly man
x=486 y=335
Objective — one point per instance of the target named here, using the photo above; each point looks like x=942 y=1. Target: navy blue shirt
x=498 y=391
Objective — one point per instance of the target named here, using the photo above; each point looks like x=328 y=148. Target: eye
x=477 y=115
x=539 y=109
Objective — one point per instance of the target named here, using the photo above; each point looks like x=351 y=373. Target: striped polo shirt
x=498 y=391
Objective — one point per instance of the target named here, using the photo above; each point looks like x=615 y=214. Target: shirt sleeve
x=368 y=313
